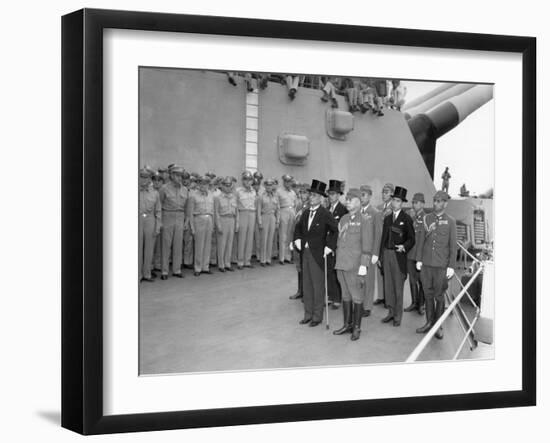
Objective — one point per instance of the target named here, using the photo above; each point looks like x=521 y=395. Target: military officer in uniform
x=287 y=204
x=157 y=255
x=354 y=251
x=267 y=220
x=369 y=212
x=188 y=250
x=225 y=215
x=215 y=190
x=260 y=189
x=173 y=198
x=397 y=239
x=337 y=210
x=201 y=210
x=246 y=205
x=385 y=208
x=417 y=214
x=436 y=259
x=149 y=223
x=315 y=236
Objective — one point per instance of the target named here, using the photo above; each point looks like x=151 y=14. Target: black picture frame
x=82 y=220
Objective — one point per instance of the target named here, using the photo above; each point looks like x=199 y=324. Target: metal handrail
x=424 y=342
x=468 y=253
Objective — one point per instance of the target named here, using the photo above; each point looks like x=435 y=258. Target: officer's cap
x=204 y=180
x=145 y=173
x=247 y=175
x=353 y=193
x=366 y=188
x=227 y=181
x=441 y=195
x=418 y=197
x=287 y=178
x=389 y=186
x=258 y=175
x=210 y=174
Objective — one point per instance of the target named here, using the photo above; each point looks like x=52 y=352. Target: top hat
x=400 y=193
x=335 y=186
x=318 y=187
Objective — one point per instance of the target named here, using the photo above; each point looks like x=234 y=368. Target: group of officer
x=191 y=221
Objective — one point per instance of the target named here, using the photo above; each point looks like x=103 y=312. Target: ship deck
x=245 y=321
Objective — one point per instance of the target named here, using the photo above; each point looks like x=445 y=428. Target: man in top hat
x=436 y=259
x=149 y=223
x=315 y=236
x=267 y=221
x=201 y=212
x=301 y=206
x=287 y=205
x=173 y=197
x=385 y=208
x=417 y=214
x=246 y=205
x=353 y=254
x=225 y=215
x=337 y=210
x=397 y=239
x=374 y=229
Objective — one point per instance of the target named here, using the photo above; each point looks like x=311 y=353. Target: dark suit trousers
x=314 y=287
x=394 y=281
x=417 y=293
x=334 y=289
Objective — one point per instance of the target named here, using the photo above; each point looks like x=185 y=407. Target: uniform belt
x=146 y=214
x=173 y=210
x=227 y=215
x=285 y=207
x=201 y=215
x=249 y=210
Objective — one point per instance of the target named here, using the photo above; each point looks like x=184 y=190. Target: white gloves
x=418 y=265
x=298 y=244
x=291 y=246
x=362 y=270
x=328 y=251
x=374 y=259
x=450 y=272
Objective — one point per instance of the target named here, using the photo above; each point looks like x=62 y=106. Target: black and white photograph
x=298 y=220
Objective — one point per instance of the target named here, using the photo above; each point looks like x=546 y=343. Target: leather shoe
x=178 y=275
x=147 y=279
x=378 y=301
x=221 y=269
x=410 y=308
x=239 y=268
x=248 y=266
x=262 y=265
x=305 y=321
x=396 y=323
x=207 y=272
x=439 y=334
x=196 y=274
x=314 y=323
x=164 y=277
x=387 y=318
x=282 y=262
x=230 y=269
x=295 y=296
x=366 y=313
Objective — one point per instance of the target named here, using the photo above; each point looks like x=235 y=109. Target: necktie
x=311 y=215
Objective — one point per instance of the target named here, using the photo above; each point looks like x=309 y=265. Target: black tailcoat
x=323 y=232
x=398 y=232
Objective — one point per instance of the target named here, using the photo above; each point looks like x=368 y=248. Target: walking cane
x=326 y=292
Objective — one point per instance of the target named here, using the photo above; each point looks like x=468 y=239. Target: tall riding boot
x=357 y=317
x=421 y=299
x=439 y=308
x=348 y=326
x=414 y=298
x=430 y=313
x=299 y=292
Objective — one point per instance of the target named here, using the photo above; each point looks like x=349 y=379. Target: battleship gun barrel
x=427 y=127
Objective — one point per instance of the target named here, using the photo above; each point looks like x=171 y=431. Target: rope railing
x=424 y=342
